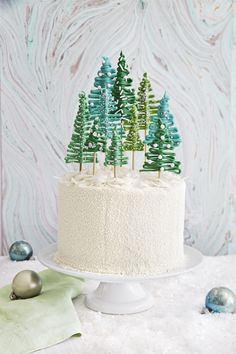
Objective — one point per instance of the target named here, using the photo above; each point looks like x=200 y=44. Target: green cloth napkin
x=36 y=323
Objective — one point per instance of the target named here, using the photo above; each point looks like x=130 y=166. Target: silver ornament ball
x=20 y=251
x=221 y=299
x=26 y=284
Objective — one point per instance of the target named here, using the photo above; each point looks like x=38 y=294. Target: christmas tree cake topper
x=147 y=105
x=167 y=118
x=133 y=142
x=75 y=150
x=95 y=141
x=106 y=75
x=111 y=108
x=122 y=90
x=104 y=80
x=115 y=153
x=102 y=105
x=161 y=156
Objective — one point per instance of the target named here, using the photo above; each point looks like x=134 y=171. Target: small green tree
x=115 y=153
x=75 y=150
x=133 y=142
x=167 y=118
x=95 y=141
x=122 y=91
x=161 y=156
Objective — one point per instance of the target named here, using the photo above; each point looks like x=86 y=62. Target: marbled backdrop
x=52 y=49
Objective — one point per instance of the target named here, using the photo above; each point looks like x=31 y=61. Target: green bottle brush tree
x=133 y=141
x=75 y=150
x=95 y=141
x=147 y=105
x=115 y=153
x=122 y=91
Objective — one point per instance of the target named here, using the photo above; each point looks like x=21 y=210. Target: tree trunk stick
x=94 y=163
x=115 y=171
x=159 y=174
x=133 y=163
x=80 y=167
x=145 y=145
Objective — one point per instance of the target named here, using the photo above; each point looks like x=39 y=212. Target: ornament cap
x=13 y=296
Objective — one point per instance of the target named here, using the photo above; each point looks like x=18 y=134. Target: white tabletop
x=174 y=325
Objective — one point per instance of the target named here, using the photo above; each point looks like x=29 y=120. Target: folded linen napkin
x=32 y=324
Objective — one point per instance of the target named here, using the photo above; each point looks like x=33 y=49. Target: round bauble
x=26 y=284
x=20 y=251
x=221 y=300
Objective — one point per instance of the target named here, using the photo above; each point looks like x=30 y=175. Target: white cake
x=128 y=226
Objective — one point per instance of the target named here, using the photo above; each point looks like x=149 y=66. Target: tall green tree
x=75 y=150
x=133 y=141
x=161 y=155
x=122 y=91
x=167 y=118
x=115 y=153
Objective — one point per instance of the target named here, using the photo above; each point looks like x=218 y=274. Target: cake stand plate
x=117 y=294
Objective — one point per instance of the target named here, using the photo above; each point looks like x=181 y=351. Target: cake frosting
x=131 y=225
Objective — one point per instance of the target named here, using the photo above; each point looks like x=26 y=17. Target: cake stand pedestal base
x=119 y=298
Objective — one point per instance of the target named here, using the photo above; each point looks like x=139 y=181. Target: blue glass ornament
x=221 y=300
x=20 y=251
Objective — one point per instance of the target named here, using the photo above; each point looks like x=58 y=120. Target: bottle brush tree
x=75 y=150
x=122 y=91
x=167 y=118
x=161 y=155
x=95 y=141
x=115 y=153
x=147 y=105
x=133 y=141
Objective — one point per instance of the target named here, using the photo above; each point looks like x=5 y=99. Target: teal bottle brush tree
x=161 y=155
x=147 y=105
x=105 y=79
x=133 y=141
x=122 y=91
x=75 y=150
x=108 y=117
x=102 y=105
x=167 y=118
x=115 y=153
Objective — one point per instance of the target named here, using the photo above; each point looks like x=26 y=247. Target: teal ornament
x=221 y=300
x=26 y=284
x=20 y=251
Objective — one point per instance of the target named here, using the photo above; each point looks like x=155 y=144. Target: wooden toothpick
x=133 y=162
x=94 y=162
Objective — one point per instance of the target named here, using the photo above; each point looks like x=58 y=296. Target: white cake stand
x=118 y=294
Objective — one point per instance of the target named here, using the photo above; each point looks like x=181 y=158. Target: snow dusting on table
x=174 y=325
